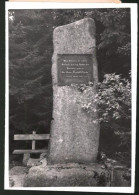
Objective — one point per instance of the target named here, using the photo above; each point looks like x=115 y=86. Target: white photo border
x=54 y=5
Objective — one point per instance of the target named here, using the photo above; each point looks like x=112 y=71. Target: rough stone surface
x=120 y=177
x=66 y=175
x=18 y=180
x=74 y=136
x=17 y=175
x=17 y=170
x=11 y=182
x=33 y=162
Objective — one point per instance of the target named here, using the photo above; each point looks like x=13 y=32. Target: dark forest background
x=30 y=82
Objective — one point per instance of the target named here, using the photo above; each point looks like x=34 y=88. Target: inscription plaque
x=74 y=68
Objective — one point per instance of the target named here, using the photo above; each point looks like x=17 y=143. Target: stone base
x=64 y=175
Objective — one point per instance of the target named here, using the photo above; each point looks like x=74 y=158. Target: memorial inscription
x=74 y=68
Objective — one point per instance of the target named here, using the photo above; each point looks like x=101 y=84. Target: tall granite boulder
x=74 y=137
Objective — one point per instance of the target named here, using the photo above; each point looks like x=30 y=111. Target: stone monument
x=74 y=137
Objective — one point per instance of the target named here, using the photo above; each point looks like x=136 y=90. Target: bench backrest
x=32 y=137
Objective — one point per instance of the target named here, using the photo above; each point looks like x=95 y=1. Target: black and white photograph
x=70 y=96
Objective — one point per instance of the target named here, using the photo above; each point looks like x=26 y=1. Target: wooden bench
x=33 y=137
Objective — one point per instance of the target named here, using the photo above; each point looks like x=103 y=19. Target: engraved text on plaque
x=74 y=68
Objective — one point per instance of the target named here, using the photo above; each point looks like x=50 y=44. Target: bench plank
x=29 y=151
x=32 y=137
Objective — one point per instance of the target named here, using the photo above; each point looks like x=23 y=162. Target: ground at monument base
x=37 y=173
x=64 y=175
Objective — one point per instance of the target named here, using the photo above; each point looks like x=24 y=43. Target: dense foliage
x=30 y=53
